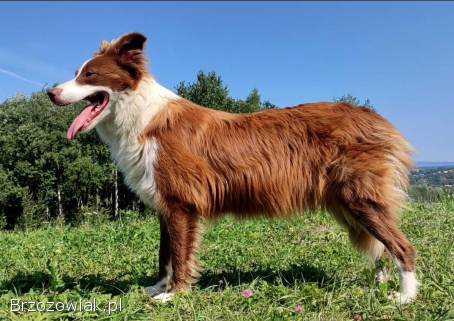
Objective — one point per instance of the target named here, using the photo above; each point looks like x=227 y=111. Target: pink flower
x=247 y=293
x=299 y=308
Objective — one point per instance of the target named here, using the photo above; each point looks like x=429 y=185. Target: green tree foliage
x=209 y=91
x=42 y=175
x=350 y=99
x=10 y=197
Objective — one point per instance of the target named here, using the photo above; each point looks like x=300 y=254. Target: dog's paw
x=164 y=297
x=154 y=290
x=382 y=276
x=157 y=288
x=402 y=298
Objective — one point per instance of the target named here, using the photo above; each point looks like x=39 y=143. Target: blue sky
x=400 y=55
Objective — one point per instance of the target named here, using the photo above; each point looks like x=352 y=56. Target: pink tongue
x=79 y=122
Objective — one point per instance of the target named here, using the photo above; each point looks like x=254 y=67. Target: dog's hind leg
x=380 y=223
x=382 y=268
x=374 y=249
x=363 y=241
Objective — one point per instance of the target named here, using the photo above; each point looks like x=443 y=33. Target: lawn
x=305 y=262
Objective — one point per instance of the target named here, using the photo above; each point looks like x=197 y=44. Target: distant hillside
x=423 y=164
x=440 y=175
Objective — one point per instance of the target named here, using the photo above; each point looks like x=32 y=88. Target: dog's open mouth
x=97 y=103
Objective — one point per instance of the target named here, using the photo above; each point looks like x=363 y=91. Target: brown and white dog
x=191 y=162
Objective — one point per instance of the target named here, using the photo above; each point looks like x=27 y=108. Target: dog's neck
x=132 y=110
x=130 y=113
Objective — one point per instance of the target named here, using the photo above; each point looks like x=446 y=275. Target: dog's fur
x=191 y=162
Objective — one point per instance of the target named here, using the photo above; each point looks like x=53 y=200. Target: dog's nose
x=53 y=93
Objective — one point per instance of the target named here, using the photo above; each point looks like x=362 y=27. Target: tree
x=10 y=199
x=352 y=100
x=42 y=175
x=209 y=91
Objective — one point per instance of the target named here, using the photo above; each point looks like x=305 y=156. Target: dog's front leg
x=165 y=265
x=178 y=248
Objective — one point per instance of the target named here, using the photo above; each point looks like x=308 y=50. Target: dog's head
x=118 y=66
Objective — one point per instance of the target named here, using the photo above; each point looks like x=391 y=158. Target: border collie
x=191 y=162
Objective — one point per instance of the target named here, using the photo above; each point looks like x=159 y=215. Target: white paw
x=408 y=288
x=382 y=276
x=402 y=298
x=164 y=297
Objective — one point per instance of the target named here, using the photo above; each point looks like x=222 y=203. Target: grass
x=306 y=261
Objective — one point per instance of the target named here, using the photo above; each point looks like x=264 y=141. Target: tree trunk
x=97 y=201
x=60 y=210
x=115 y=192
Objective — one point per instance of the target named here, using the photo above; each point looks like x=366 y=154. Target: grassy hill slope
x=306 y=261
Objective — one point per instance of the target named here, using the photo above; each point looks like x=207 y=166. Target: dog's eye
x=89 y=74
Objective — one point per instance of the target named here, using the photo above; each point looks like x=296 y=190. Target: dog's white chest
x=136 y=163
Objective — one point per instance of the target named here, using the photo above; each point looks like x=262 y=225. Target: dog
x=191 y=162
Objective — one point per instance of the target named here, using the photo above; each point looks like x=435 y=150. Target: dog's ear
x=129 y=50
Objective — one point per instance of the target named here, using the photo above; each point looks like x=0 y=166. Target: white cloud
x=31 y=65
x=14 y=75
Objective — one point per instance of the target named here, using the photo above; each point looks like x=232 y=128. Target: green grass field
x=306 y=261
